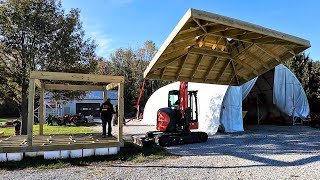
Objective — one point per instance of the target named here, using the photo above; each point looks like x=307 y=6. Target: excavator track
x=170 y=139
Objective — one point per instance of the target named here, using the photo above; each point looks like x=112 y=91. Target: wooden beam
x=75 y=77
x=268 y=51
x=209 y=52
x=41 y=109
x=162 y=72
x=112 y=86
x=37 y=83
x=71 y=87
x=30 y=111
x=166 y=63
x=199 y=24
x=200 y=57
x=235 y=72
x=212 y=64
x=223 y=70
x=245 y=65
x=211 y=17
x=120 y=112
x=181 y=67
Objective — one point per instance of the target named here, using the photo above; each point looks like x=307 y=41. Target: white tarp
x=223 y=104
x=210 y=99
x=288 y=94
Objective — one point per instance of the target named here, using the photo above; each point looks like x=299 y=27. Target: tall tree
x=131 y=63
x=39 y=35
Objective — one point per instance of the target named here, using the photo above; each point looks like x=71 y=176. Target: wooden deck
x=10 y=144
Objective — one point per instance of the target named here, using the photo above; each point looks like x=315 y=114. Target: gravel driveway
x=261 y=152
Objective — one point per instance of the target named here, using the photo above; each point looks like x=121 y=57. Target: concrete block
x=14 y=156
x=40 y=153
x=101 y=151
x=87 y=152
x=52 y=155
x=3 y=157
x=30 y=154
x=65 y=154
x=113 y=150
x=76 y=153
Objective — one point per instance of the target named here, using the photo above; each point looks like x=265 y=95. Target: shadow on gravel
x=129 y=153
x=257 y=143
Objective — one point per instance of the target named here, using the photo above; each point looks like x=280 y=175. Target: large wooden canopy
x=210 y=48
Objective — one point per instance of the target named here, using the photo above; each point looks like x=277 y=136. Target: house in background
x=87 y=106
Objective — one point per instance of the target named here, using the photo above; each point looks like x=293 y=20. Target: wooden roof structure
x=210 y=48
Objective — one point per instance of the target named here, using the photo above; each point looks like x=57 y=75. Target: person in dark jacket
x=106 y=110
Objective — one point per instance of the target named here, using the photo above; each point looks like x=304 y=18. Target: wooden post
x=105 y=94
x=120 y=111
x=41 y=109
x=30 y=110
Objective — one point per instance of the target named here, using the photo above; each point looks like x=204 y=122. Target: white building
x=87 y=106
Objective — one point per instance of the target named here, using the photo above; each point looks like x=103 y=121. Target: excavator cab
x=175 y=121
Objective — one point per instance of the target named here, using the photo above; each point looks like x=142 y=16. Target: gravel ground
x=261 y=152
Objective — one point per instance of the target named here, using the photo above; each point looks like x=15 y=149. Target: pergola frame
x=35 y=81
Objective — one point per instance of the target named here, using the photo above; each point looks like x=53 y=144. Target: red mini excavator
x=174 y=123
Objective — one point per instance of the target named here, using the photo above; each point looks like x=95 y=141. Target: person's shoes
x=110 y=135
x=103 y=136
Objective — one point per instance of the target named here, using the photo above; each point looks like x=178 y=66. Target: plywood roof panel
x=210 y=48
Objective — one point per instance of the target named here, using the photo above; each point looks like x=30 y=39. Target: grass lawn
x=128 y=153
x=53 y=130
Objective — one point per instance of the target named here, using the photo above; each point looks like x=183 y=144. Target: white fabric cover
x=223 y=104
x=288 y=94
x=210 y=98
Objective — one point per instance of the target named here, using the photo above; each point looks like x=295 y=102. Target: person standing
x=106 y=111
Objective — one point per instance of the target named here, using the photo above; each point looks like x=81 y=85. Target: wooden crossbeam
x=74 y=77
x=73 y=87
x=235 y=72
x=245 y=65
x=223 y=70
x=200 y=57
x=181 y=66
x=162 y=72
x=199 y=24
x=212 y=64
x=291 y=51
x=167 y=63
x=268 y=51
x=250 y=36
x=209 y=52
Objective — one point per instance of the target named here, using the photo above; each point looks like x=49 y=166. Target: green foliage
x=39 y=35
x=131 y=63
x=53 y=130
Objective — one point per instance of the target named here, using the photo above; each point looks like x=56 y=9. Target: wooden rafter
x=246 y=65
x=235 y=71
x=167 y=63
x=162 y=72
x=209 y=52
x=223 y=70
x=73 y=87
x=74 y=77
x=269 y=52
x=200 y=57
x=199 y=24
x=212 y=64
x=181 y=66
